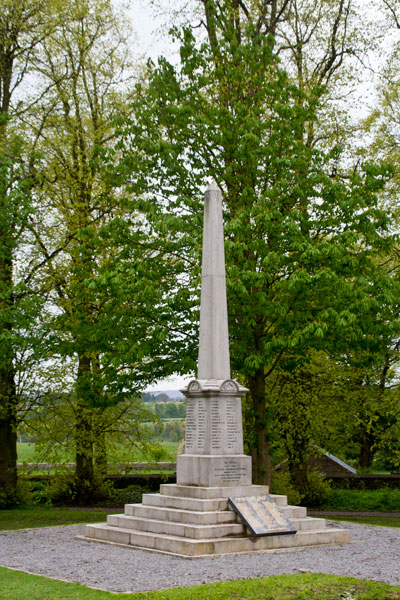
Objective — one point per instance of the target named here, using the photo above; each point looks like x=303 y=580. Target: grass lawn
x=26 y=453
x=379 y=521
x=27 y=518
x=171 y=448
x=20 y=586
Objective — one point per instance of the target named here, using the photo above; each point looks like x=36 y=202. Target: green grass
x=26 y=453
x=171 y=448
x=21 y=586
x=27 y=518
x=378 y=521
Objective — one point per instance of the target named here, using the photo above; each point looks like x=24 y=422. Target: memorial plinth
x=214 y=436
x=213 y=508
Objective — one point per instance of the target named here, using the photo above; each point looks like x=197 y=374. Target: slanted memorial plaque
x=261 y=515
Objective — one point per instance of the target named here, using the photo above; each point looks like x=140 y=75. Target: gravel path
x=374 y=554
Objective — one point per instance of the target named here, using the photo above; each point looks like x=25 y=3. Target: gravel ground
x=373 y=554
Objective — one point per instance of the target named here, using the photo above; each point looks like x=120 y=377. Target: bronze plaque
x=261 y=515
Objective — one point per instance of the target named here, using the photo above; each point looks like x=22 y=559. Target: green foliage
x=119 y=452
x=174 y=431
x=302 y=237
x=132 y=494
x=113 y=253
x=108 y=315
x=16 y=311
x=316 y=490
x=363 y=500
x=169 y=410
x=388 y=456
x=281 y=484
x=122 y=428
x=23 y=24
x=8 y=496
x=65 y=488
x=61 y=489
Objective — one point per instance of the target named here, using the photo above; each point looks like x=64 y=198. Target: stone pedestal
x=212 y=471
x=214 y=436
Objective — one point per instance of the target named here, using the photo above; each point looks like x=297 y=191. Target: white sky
x=151 y=24
x=172 y=383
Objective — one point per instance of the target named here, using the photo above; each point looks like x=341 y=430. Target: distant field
x=26 y=453
x=171 y=448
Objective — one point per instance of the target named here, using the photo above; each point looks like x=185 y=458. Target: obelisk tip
x=213 y=187
x=213 y=338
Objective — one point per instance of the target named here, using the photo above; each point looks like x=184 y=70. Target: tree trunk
x=261 y=450
x=8 y=437
x=298 y=468
x=84 y=470
x=366 y=453
x=100 y=448
x=8 y=400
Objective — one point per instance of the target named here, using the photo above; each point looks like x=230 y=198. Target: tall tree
x=300 y=238
x=109 y=313
x=23 y=23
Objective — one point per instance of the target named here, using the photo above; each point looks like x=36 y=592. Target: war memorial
x=213 y=508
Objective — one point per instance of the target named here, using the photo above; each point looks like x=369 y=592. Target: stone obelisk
x=214 y=435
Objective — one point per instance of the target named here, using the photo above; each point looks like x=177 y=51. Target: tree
x=300 y=237
x=380 y=414
x=22 y=25
x=319 y=42
x=346 y=405
x=108 y=312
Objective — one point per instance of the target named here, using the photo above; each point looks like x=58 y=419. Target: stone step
x=212 y=518
x=209 y=493
x=179 y=515
x=192 y=547
x=308 y=524
x=197 y=503
x=279 y=499
x=176 y=529
x=294 y=512
x=185 y=503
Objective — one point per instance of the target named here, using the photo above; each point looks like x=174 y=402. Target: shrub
x=132 y=494
x=8 y=499
x=281 y=484
x=63 y=489
x=385 y=499
x=317 y=489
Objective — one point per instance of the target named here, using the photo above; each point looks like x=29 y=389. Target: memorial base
x=192 y=521
x=213 y=470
